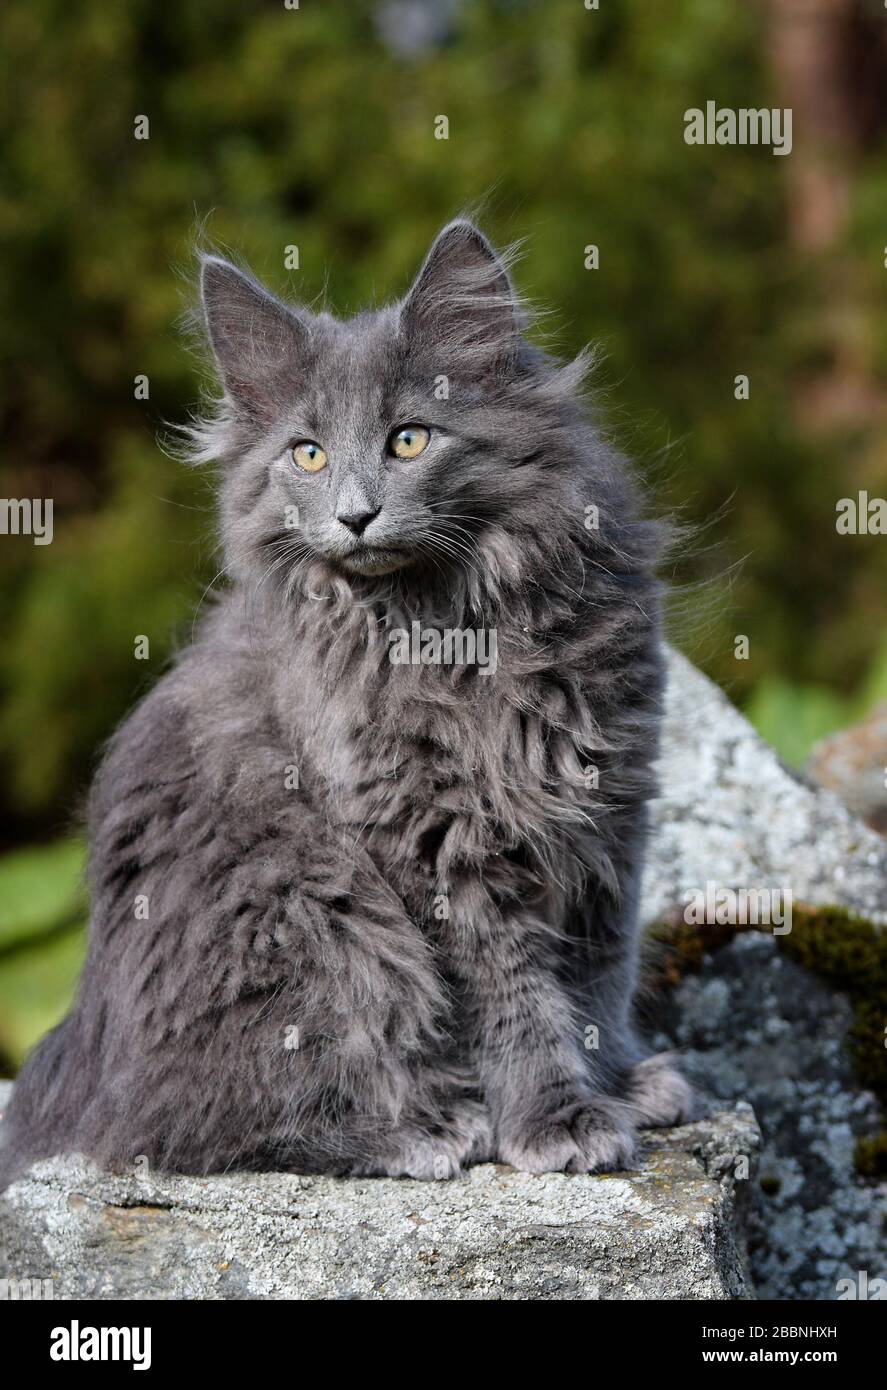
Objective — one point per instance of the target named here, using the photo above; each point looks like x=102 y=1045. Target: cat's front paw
x=588 y=1137
x=440 y=1150
x=658 y=1093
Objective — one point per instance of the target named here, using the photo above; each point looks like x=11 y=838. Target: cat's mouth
x=373 y=560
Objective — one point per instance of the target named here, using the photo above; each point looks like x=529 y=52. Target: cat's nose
x=358 y=519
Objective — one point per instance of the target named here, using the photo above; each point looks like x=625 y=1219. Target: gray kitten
x=359 y=914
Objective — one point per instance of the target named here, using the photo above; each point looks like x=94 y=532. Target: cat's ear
x=463 y=300
x=256 y=340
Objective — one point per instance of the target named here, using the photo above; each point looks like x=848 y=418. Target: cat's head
x=389 y=441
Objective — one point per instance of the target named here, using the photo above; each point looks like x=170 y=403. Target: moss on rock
x=846 y=950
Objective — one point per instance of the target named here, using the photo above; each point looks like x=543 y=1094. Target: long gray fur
x=424 y=954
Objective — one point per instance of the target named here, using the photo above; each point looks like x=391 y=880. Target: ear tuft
x=255 y=338
x=463 y=300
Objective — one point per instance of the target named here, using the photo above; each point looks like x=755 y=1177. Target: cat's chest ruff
x=401 y=746
x=442 y=764
x=407 y=746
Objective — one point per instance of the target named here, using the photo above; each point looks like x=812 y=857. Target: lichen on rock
x=752 y=1021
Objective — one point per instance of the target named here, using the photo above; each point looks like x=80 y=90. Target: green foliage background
x=271 y=127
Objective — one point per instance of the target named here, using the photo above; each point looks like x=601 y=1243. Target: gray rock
x=731 y=813
x=672 y=1229
x=755 y=1024
x=752 y=1023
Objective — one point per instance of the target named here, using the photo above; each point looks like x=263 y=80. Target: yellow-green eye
x=409 y=441
x=309 y=456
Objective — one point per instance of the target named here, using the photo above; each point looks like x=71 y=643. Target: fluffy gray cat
x=359 y=914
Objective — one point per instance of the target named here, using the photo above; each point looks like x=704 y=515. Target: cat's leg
x=605 y=959
x=379 y=1037
x=566 y=1078
x=549 y=1109
x=659 y=1094
x=447 y=1127
x=650 y=1089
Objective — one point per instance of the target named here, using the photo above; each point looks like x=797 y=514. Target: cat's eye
x=309 y=456
x=409 y=441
